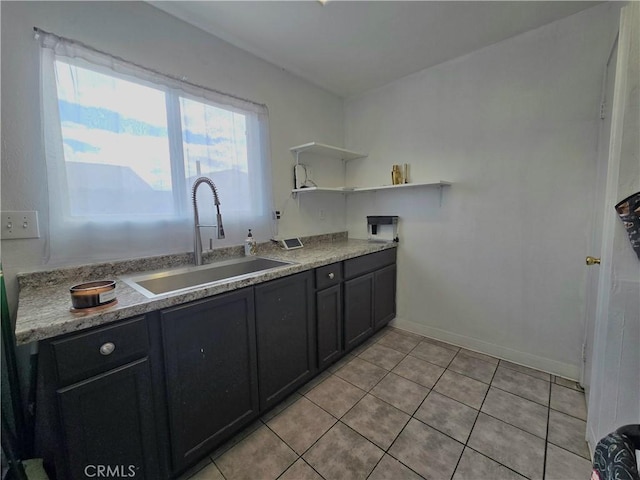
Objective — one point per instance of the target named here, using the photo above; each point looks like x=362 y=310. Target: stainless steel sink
x=178 y=279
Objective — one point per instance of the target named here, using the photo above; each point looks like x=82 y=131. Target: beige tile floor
x=404 y=406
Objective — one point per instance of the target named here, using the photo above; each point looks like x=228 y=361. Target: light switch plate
x=20 y=225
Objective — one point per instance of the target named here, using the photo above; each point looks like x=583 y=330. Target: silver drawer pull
x=331 y=275
x=107 y=348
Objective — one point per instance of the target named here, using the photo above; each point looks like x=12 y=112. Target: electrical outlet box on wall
x=20 y=225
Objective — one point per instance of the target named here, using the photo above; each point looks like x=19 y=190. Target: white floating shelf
x=441 y=183
x=327 y=150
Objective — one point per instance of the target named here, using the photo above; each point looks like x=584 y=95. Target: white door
x=614 y=376
x=595 y=246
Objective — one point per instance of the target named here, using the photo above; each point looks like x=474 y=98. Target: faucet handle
x=220 y=226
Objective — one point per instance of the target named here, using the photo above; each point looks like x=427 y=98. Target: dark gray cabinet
x=329 y=313
x=107 y=422
x=384 y=296
x=285 y=336
x=96 y=410
x=369 y=295
x=358 y=310
x=211 y=372
x=329 y=325
x=151 y=395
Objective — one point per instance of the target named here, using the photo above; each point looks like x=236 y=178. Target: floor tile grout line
x=407 y=379
x=430 y=390
x=525 y=373
x=566 y=388
x=518 y=395
x=325 y=410
x=418 y=358
x=569 y=451
x=298 y=454
x=301 y=456
x=500 y=360
x=262 y=419
x=384 y=451
x=446 y=396
x=412 y=416
x=403 y=427
x=199 y=470
x=496 y=461
x=512 y=425
x=474 y=423
x=458 y=353
x=396 y=459
x=381 y=379
x=478 y=411
x=387 y=451
x=440 y=431
x=546 y=440
x=567 y=414
x=407 y=423
x=538 y=403
x=493 y=459
x=210 y=455
x=461 y=352
x=432 y=363
x=291 y=447
x=366 y=391
x=218 y=468
x=404 y=464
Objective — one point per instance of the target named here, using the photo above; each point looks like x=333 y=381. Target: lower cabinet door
x=108 y=425
x=286 y=340
x=384 y=294
x=329 y=325
x=358 y=310
x=211 y=372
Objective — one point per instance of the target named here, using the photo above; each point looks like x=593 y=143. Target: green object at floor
x=9 y=352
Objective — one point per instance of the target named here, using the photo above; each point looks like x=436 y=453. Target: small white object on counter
x=250 y=245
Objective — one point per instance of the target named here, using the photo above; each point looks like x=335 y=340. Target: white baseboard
x=561 y=369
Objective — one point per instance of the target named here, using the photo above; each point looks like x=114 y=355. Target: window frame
x=75 y=238
x=175 y=142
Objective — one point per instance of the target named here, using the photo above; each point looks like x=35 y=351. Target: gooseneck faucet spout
x=197 y=241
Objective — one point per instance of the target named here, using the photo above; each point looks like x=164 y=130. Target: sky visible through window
x=123 y=127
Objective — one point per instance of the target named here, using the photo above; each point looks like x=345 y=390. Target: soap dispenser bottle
x=250 y=245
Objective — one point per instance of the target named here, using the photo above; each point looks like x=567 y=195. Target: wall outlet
x=322 y=214
x=20 y=225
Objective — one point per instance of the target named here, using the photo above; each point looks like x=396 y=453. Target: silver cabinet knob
x=107 y=348
x=331 y=275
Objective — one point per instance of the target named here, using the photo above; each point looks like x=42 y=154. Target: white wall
x=299 y=111
x=499 y=266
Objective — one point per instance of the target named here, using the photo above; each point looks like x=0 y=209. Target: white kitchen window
x=123 y=146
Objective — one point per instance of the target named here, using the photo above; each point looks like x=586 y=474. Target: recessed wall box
x=382 y=228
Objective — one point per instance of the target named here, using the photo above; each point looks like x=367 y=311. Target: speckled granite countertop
x=44 y=302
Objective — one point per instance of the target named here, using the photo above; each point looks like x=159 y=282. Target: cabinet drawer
x=91 y=353
x=368 y=263
x=329 y=275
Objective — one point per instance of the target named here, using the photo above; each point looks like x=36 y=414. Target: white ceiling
x=349 y=47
